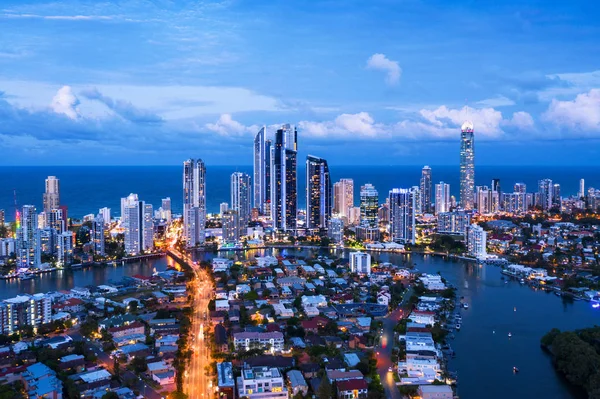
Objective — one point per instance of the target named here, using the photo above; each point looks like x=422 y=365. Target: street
x=197 y=381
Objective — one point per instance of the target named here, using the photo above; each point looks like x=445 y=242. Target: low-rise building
x=296 y=382
x=261 y=383
x=435 y=392
x=225 y=381
x=265 y=340
x=352 y=389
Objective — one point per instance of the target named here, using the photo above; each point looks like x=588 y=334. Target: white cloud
x=60 y=17
x=498 y=101
x=582 y=113
x=381 y=62
x=522 y=121
x=486 y=120
x=226 y=126
x=65 y=102
x=570 y=84
x=356 y=125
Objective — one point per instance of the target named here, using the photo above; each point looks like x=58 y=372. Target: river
x=67 y=279
x=485 y=354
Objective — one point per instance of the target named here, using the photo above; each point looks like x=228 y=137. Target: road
x=197 y=381
x=384 y=350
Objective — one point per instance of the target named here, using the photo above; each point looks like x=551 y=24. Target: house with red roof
x=352 y=389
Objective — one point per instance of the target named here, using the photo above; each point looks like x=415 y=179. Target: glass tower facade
x=467 y=166
x=318 y=193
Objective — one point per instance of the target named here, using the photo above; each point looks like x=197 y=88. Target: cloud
x=486 y=120
x=381 y=62
x=522 y=121
x=124 y=109
x=359 y=125
x=60 y=17
x=498 y=101
x=65 y=102
x=581 y=114
x=226 y=126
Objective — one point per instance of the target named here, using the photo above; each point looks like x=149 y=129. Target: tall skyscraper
x=486 y=200
x=65 y=248
x=105 y=213
x=402 y=215
x=97 y=235
x=425 y=197
x=581 y=188
x=556 y=198
x=52 y=194
x=2 y=217
x=194 y=201
x=369 y=205
x=166 y=209
x=545 y=194
x=261 y=181
x=284 y=196
x=28 y=245
x=442 y=197
x=476 y=241
x=240 y=198
x=496 y=185
x=138 y=222
x=343 y=197
x=467 y=166
x=230 y=226
x=318 y=193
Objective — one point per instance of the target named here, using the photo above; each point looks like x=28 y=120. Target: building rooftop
x=296 y=378
x=225 y=375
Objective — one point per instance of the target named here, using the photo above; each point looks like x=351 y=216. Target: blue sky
x=366 y=82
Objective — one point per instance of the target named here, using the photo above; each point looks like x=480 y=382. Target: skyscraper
x=425 y=197
x=194 y=201
x=318 y=193
x=65 y=248
x=28 y=247
x=166 y=209
x=230 y=226
x=476 y=241
x=556 y=198
x=369 y=205
x=467 y=166
x=284 y=197
x=402 y=215
x=240 y=198
x=520 y=188
x=97 y=235
x=545 y=194
x=442 y=197
x=137 y=219
x=343 y=197
x=52 y=194
x=581 y=188
x=261 y=155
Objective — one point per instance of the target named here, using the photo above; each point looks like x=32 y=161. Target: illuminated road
x=197 y=381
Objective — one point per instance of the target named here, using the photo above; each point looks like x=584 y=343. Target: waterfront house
x=435 y=392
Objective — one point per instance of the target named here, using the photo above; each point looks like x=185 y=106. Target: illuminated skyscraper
x=318 y=193
x=52 y=194
x=442 y=197
x=240 y=198
x=137 y=219
x=545 y=194
x=425 y=197
x=194 y=201
x=28 y=245
x=262 y=167
x=467 y=166
x=343 y=197
x=402 y=215
x=369 y=205
x=284 y=196
x=520 y=188
x=581 y=188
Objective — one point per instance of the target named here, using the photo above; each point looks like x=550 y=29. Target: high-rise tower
x=194 y=201
x=261 y=155
x=343 y=197
x=425 y=197
x=318 y=193
x=467 y=166
x=284 y=196
x=369 y=205
x=240 y=198
x=402 y=215
x=52 y=194
x=442 y=197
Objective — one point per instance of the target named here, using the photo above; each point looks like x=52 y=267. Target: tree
x=139 y=364
x=110 y=395
x=251 y=296
x=133 y=306
x=325 y=390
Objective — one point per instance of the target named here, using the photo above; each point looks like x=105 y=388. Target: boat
x=466 y=305
x=509 y=335
x=458 y=327
x=25 y=276
x=506 y=282
x=522 y=281
x=515 y=309
x=557 y=293
x=515 y=370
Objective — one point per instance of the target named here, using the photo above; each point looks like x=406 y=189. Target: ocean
x=85 y=189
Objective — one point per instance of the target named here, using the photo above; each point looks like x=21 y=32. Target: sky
x=378 y=82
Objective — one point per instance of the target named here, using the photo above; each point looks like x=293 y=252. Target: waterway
x=67 y=279
x=485 y=354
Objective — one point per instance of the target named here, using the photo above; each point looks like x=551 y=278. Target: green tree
x=110 y=395
x=325 y=389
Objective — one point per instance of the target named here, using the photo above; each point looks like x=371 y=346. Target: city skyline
x=173 y=83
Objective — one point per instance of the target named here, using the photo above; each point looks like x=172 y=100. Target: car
x=391 y=369
x=377 y=353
